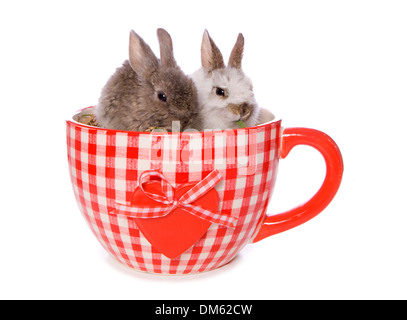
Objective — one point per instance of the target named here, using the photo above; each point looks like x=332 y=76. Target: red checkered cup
x=188 y=202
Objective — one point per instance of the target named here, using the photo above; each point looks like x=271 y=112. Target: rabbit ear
x=166 y=51
x=141 y=57
x=235 y=59
x=210 y=54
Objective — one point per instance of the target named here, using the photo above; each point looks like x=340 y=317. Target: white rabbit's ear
x=211 y=56
x=141 y=57
x=166 y=50
x=235 y=59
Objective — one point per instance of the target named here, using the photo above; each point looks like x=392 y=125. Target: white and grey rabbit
x=146 y=92
x=225 y=93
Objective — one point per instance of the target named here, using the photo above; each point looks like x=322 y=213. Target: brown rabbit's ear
x=141 y=57
x=211 y=56
x=235 y=59
x=166 y=50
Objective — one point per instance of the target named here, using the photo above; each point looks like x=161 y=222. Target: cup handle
x=334 y=169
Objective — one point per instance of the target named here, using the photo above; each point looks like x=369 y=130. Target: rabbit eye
x=220 y=92
x=162 y=96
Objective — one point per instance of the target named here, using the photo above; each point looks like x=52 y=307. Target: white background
x=336 y=66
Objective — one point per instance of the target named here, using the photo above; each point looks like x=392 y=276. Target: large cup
x=181 y=203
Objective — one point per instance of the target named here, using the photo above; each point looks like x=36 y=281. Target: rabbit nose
x=245 y=112
x=234 y=108
x=241 y=110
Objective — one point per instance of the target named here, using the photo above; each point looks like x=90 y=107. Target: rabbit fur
x=225 y=93
x=146 y=92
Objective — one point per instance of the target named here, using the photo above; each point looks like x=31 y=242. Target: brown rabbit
x=145 y=92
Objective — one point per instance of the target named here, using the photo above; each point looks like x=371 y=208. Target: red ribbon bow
x=184 y=202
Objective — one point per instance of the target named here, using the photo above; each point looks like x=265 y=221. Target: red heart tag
x=175 y=233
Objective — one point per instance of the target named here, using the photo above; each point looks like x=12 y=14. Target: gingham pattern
x=185 y=201
x=105 y=166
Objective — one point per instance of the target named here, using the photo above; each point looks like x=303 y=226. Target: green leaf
x=241 y=124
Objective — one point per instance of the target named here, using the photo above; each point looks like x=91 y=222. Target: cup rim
x=76 y=123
